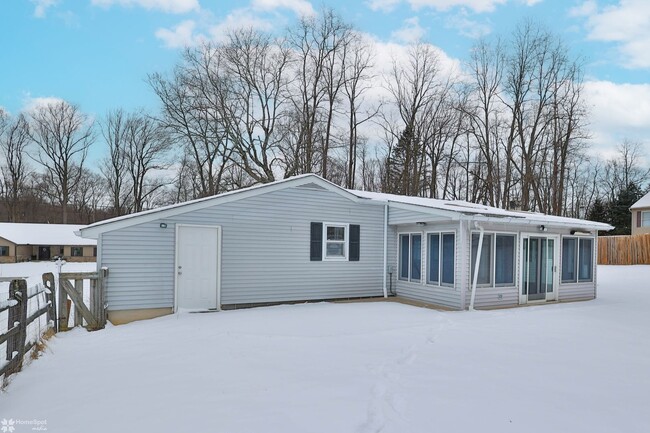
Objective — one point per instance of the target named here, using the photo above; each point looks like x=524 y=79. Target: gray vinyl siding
x=264 y=252
x=448 y=296
x=402 y=216
x=140 y=260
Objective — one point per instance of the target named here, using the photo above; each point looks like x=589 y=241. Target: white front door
x=197 y=267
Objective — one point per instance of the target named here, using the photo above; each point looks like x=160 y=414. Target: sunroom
x=462 y=255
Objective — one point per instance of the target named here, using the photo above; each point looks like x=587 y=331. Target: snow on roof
x=643 y=202
x=43 y=234
x=469 y=208
x=457 y=206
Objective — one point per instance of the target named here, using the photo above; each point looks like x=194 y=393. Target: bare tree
x=63 y=135
x=191 y=112
x=14 y=138
x=255 y=66
x=414 y=86
x=358 y=75
x=114 y=164
x=317 y=42
x=147 y=144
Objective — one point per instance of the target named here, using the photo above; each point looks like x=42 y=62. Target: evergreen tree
x=619 y=210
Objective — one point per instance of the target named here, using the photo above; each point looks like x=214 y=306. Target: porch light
x=542 y=228
x=163 y=225
x=421 y=223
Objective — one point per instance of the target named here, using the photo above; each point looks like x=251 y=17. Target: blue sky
x=97 y=53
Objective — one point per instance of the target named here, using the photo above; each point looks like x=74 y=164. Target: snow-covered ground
x=34 y=271
x=357 y=367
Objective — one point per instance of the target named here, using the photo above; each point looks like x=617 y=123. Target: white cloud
x=32 y=103
x=584 y=9
x=41 y=7
x=410 y=32
x=468 y=27
x=170 y=6
x=181 y=35
x=300 y=7
x=478 y=6
x=383 y=5
x=618 y=111
x=626 y=24
x=238 y=19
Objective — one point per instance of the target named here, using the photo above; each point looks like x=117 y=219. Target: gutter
x=477 y=265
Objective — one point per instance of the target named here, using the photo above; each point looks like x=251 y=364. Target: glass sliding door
x=538 y=268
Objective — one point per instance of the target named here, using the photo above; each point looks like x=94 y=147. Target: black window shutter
x=355 y=244
x=316 y=249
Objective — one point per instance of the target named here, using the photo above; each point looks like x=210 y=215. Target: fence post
x=63 y=308
x=17 y=313
x=48 y=282
x=101 y=297
x=79 y=288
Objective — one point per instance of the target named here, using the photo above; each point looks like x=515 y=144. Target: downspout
x=477 y=265
x=385 y=248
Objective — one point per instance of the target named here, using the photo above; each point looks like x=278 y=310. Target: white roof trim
x=92 y=231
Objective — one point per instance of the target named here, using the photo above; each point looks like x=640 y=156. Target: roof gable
x=644 y=202
x=306 y=180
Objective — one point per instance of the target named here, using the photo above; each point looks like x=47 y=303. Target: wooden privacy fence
x=624 y=250
x=18 y=344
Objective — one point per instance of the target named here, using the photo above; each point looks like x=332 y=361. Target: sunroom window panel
x=404 y=257
x=485 y=265
x=448 y=252
x=569 y=257
x=433 y=253
x=504 y=265
x=585 y=255
x=416 y=257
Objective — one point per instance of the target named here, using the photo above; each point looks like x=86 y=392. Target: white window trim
x=345 y=242
x=493 y=257
x=643 y=218
x=439 y=283
x=399 y=257
x=577 y=267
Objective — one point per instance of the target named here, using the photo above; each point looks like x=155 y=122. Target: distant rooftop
x=642 y=203
x=43 y=234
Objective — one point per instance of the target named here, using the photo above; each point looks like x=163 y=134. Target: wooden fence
x=18 y=320
x=71 y=285
x=624 y=250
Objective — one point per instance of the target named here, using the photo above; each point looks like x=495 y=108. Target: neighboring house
x=304 y=238
x=641 y=216
x=21 y=242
